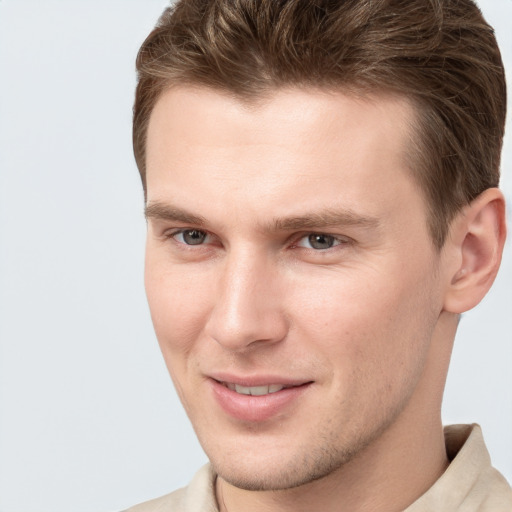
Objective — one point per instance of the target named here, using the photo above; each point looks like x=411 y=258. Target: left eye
x=318 y=241
x=191 y=236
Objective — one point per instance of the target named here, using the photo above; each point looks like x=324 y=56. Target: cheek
x=369 y=321
x=177 y=311
x=178 y=303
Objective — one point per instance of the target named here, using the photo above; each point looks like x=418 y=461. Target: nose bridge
x=247 y=305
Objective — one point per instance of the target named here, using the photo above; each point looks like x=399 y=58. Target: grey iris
x=194 y=237
x=318 y=241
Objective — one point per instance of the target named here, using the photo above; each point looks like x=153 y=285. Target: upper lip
x=257 y=380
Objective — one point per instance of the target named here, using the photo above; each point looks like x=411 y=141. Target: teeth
x=242 y=390
x=254 y=390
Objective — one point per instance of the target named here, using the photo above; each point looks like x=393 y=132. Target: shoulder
x=170 y=502
x=470 y=483
x=198 y=496
x=484 y=486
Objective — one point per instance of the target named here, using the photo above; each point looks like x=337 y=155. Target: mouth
x=266 y=389
x=257 y=399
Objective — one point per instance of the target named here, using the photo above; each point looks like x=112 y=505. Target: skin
x=366 y=319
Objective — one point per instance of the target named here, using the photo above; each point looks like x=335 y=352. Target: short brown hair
x=441 y=54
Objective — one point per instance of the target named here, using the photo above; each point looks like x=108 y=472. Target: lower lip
x=255 y=408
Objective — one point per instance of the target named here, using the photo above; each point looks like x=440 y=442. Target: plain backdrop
x=88 y=417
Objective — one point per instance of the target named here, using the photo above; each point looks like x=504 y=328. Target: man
x=322 y=205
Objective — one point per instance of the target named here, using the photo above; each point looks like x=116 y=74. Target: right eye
x=191 y=236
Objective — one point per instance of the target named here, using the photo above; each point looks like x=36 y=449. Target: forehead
x=298 y=146
x=288 y=113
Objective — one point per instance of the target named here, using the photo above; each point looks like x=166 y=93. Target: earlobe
x=477 y=238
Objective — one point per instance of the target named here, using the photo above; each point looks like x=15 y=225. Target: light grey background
x=88 y=418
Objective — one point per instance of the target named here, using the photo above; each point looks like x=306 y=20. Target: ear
x=475 y=246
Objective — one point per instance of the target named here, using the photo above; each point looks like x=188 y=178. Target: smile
x=254 y=400
x=254 y=390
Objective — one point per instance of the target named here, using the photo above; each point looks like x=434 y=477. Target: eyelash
x=174 y=234
x=337 y=241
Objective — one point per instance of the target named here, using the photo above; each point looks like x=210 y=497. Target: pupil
x=321 y=241
x=194 y=237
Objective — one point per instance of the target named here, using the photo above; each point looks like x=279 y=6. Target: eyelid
x=172 y=233
x=295 y=242
x=339 y=240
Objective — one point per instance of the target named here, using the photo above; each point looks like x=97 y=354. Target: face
x=291 y=278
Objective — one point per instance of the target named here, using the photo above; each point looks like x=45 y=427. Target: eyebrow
x=314 y=220
x=160 y=211
x=324 y=219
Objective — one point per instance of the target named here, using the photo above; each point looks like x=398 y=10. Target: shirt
x=469 y=484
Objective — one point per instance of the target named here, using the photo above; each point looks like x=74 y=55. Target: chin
x=280 y=462
x=279 y=472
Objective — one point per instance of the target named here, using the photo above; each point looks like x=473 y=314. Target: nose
x=248 y=310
